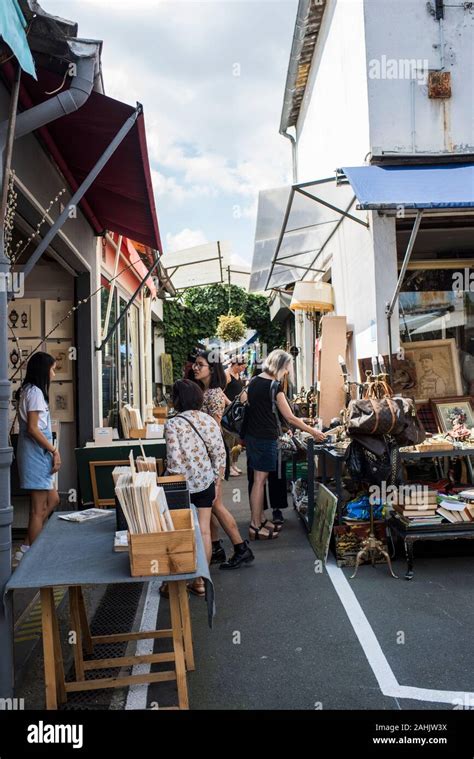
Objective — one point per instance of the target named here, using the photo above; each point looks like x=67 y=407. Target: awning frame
x=300 y=188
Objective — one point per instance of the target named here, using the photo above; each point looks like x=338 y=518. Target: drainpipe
x=16 y=126
x=301 y=25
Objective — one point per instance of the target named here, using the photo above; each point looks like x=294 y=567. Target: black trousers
x=276 y=488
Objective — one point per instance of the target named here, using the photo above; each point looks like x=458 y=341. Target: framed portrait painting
x=403 y=374
x=438 y=374
x=18 y=353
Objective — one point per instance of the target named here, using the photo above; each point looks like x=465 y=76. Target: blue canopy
x=449 y=185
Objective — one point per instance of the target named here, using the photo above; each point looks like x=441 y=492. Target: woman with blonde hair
x=261 y=434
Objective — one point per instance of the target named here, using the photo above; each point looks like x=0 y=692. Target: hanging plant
x=231 y=328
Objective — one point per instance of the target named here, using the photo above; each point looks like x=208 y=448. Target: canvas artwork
x=324 y=513
x=59 y=349
x=24 y=317
x=54 y=312
x=453 y=413
x=61 y=401
x=166 y=369
x=437 y=368
x=404 y=374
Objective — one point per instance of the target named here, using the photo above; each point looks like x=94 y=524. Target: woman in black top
x=261 y=434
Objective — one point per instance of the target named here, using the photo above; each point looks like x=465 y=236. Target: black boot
x=242 y=555
x=218 y=553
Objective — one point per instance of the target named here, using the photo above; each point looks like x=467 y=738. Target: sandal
x=254 y=533
x=197 y=587
x=271 y=525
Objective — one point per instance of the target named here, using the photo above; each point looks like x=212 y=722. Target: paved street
x=298 y=649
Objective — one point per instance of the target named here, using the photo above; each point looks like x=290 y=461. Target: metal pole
x=6 y=510
x=391 y=306
x=80 y=192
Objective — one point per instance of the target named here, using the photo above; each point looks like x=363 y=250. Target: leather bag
x=394 y=416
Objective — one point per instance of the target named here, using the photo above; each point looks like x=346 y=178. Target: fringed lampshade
x=312 y=296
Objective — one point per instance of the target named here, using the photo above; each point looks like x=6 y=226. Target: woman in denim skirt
x=261 y=435
x=37 y=458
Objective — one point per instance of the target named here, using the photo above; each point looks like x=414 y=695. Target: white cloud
x=187 y=238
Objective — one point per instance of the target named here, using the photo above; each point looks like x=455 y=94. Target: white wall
x=333 y=126
x=405 y=31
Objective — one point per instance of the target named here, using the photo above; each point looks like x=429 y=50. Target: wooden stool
x=182 y=654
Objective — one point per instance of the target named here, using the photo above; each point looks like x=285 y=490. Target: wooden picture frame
x=24 y=317
x=59 y=349
x=54 y=311
x=438 y=372
x=61 y=401
x=443 y=406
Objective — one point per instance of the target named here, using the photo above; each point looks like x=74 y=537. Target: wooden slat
x=58 y=660
x=76 y=628
x=47 y=616
x=186 y=620
x=118 y=682
x=178 y=645
x=128 y=661
x=86 y=633
x=115 y=637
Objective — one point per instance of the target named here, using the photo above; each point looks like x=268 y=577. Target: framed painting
x=61 y=401
x=404 y=374
x=452 y=412
x=18 y=354
x=166 y=369
x=54 y=313
x=438 y=374
x=24 y=317
x=59 y=349
x=324 y=513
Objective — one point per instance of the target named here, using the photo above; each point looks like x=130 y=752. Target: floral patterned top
x=187 y=454
x=214 y=402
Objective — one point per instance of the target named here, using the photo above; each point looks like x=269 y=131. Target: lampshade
x=312 y=296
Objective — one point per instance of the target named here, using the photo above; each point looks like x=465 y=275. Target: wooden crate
x=165 y=553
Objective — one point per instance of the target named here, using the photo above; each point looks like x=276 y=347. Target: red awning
x=121 y=198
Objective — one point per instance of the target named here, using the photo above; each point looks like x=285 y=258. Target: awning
x=202 y=265
x=294 y=224
x=121 y=198
x=448 y=185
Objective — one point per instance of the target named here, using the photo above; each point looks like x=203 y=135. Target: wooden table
x=91 y=560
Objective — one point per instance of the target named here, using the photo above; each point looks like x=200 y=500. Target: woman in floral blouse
x=194 y=448
x=210 y=375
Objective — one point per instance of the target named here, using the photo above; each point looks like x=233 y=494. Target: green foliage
x=195 y=317
x=230 y=328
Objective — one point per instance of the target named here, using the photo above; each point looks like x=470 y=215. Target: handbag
x=233 y=419
x=380 y=413
x=285 y=444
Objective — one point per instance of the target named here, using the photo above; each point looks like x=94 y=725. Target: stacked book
x=458 y=508
x=146 y=464
x=417 y=507
x=130 y=418
x=143 y=503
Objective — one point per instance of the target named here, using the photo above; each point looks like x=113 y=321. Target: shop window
x=109 y=366
x=431 y=307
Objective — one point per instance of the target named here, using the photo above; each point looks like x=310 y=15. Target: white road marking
x=384 y=675
x=138 y=694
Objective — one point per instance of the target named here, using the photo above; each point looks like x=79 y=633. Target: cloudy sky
x=211 y=77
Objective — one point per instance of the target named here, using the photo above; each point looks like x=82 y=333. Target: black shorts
x=204 y=498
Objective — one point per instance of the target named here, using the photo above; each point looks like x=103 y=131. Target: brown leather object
x=386 y=416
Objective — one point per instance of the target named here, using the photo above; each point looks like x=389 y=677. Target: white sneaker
x=19 y=554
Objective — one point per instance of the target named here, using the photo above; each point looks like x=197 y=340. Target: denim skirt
x=262 y=453
x=34 y=462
